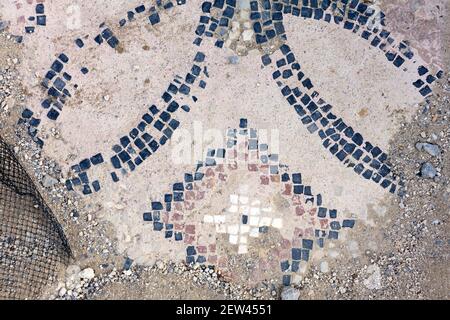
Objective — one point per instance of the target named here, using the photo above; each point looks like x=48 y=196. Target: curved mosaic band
x=316 y=115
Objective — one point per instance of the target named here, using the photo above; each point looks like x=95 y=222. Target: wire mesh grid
x=32 y=243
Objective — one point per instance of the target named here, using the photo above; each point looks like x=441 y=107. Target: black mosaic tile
x=154 y=18
x=79 y=43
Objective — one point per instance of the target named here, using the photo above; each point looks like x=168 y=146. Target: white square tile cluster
x=231 y=222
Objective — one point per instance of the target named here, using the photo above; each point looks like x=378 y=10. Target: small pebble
x=290 y=294
x=431 y=149
x=428 y=171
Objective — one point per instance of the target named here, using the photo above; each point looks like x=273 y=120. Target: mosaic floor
x=209 y=130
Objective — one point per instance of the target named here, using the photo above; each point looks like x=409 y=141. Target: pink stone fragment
x=287 y=189
x=189 y=195
x=264 y=180
x=309 y=232
x=190 y=229
x=275 y=178
x=296 y=200
x=323 y=223
x=299 y=211
x=179 y=226
x=202 y=249
x=177 y=216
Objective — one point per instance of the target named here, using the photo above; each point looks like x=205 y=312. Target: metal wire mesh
x=32 y=243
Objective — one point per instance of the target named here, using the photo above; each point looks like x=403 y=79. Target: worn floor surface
x=295 y=195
